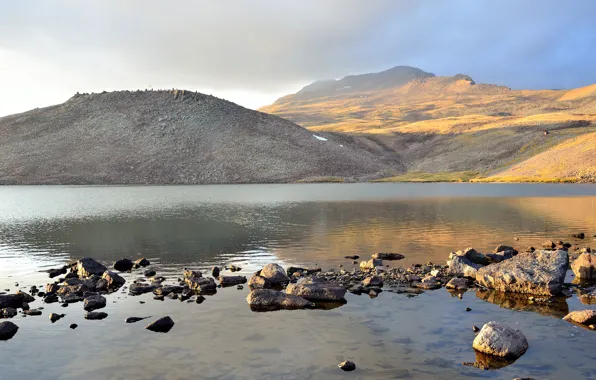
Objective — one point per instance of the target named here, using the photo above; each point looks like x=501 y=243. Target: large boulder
x=7 y=330
x=87 y=267
x=388 y=256
x=540 y=273
x=94 y=302
x=11 y=300
x=582 y=317
x=275 y=274
x=268 y=300
x=499 y=340
x=584 y=266
x=114 y=280
x=316 y=290
x=461 y=266
x=123 y=265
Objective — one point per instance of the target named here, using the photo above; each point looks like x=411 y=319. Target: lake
x=388 y=337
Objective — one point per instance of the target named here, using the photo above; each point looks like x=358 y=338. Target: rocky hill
x=448 y=124
x=170 y=137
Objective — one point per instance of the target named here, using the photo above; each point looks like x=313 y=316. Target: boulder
x=231 y=280
x=258 y=282
x=372 y=281
x=388 y=256
x=269 y=300
x=457 y=283
x=473 y=256
x=142 y=262
x=87 y=267
x=162 y=325
x=7 y=330
x=314 y=290
x=540 y=273
x=11 y=300
x=371 y=264
x=275 y=274
x=500 y=340
x=95 y=315
x=8 y=312
x=215 y=271
x=114 y=280
x=461 y=266
x=584 y=266
x=50 y=298
x=57 y=272
x=94 y=302
x=123 y=265
x=582 y=317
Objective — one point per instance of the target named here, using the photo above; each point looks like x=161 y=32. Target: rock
x=8 y=312
x=231 y=280
x=234 y=268
x=427 y=285
x=94 y=302
x=114 y=279
x=215 y=272
x=54 y=317
x=198 y=283
x=581 y=235
x=503 y=248
x=468 y=309
x=50 y=298
x=457 y=283
x=292 y=270
x=52 y=288
x=95 y=315
x=499 y=340
x=26 y=297
x=134 y=319
x=501 y=256
x=316 y=290
x=140 y=288
x=142 y=262
x=123 y=265
x=275 y=274
x=32 y=312
x=540 y=273
x=530 y=249
x=57 y=272
x=347 y=366
x=200 y=299
x=353 y=257
x=258 y=282
x=472 y=255
x=548 y=244
x=102 y=284
x=73 y=298
x=582 y=317
x=7 y=330
x=149 y=273
x=173 y=295
x=388 y=256
x=475 y=328
x=162 y=325
x=356 y=289
x=78 y=290
x=371 y=264
x=166 y=290
x=87 y=267
x=11 y=300
x=373 y=281
x=239 y=287
x=584 y=266
x=269 y=300
x=73 y=326
x=461 y=266
x=159 y=298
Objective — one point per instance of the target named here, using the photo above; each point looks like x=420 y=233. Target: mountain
x=441 y=125
x=169 y=137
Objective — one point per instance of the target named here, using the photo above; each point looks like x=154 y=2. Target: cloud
x=273 y=47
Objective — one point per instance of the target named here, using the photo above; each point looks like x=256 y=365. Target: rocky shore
x=534 y=280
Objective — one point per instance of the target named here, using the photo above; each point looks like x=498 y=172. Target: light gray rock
x=461 y=266
x=268 y=300
x=258 y=282
x=582 y=317
x=113 y=279
x=540 y=273
x=7 y=330
x=371 y=264
x=500 y=340
x=87 y=267
x=94 y=302
x=584 y=266
x=457 y=283
x=316 y=290
x=275 y=274
x=472 y=255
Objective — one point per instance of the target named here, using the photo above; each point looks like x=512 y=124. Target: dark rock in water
x=140 y=288
x=134 y=319
x=457 y=283
x=8 y=312
x=373 y=281
x=41 y=294
x=231 y=280
x=65 y=304
x=347 y=366
x=200 y=299
x=270 y=300
x=73 y=298
x=159 y=298
x=73 y=326
x=87 y=267
x=566 y=245
x=581 y=235
x=113 y=279
x=7 y=330
x=503 y=248
x=50 y=298
x=173 y=295
x=168 y=289
x=314 y=290
x=239 y=287
x=584 y=266
x=149 y=273
x=234 y=268
x=198 y=283
x=468 y=309
x=388 y=256
x=32 y=312
x=499 y=340
x=123 y=265
x=541 y=273
x=25 y=306
x=475 y=328
x=95 y=315
x=215 y=271
x=356 y=289
x=582 y=317
x=52 y=288
x=548 y=244
x=258 y=282
x=472 y=255
x=11 y=300
x=354 y=257
x=142 y=262
x=275 y=274
x=57 y=272
x=54 y=317
x=94 y=302
x=163 y=325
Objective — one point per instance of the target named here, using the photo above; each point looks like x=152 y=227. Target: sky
x=255 y=51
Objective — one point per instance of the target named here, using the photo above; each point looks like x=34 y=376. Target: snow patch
x=320 y=138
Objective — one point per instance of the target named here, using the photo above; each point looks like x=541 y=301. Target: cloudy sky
x=253 y=51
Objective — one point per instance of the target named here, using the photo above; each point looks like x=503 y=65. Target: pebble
x=347 y=366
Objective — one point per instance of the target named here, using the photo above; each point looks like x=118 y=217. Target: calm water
x=392 y=336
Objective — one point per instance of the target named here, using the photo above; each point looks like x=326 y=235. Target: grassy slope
x=447 y=126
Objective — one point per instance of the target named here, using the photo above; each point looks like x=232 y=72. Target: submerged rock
x=123 y=265
x=584 y=266
x=388 y=256
x=347 y=366
x=269 y=300
x=87 y=267
x=95 y=315
x=94 y=302
x=541 y=273
x=231 y=280
x=500 y=340
x=162 y=325
x=7 y=330
x=314 y=290
x=582 y=317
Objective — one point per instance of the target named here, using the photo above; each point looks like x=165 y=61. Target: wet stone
x=7 y=330
x=162 y=325
x=347 y=366
x=95 y=315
